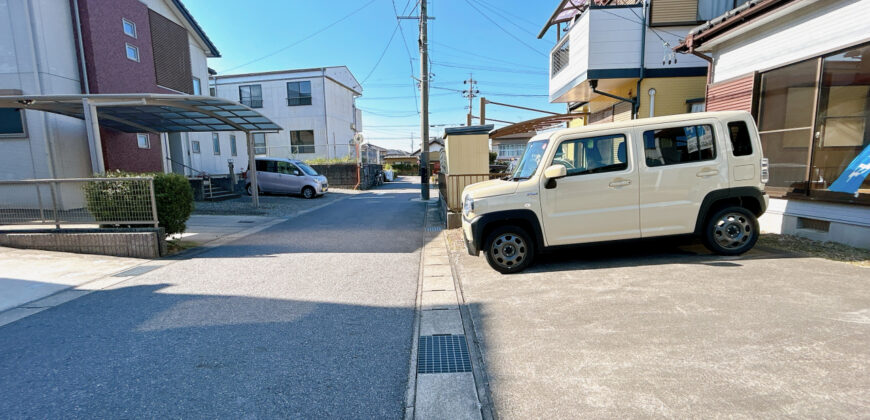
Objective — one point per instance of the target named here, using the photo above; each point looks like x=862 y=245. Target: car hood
x=491 y=188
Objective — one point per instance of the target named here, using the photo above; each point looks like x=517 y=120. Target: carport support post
x=252 y=170
x=95 y=143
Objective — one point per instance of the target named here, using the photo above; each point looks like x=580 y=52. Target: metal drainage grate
x=246 y=221
x=135 y=271
x=433 y=229
x=443 y=354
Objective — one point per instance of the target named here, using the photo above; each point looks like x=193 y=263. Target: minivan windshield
x=307 y=169
x=530 y=160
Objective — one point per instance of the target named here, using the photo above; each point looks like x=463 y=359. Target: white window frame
x=124 y=23
x=127 y=51
x=147 y=138
x=194 y=146
x=216 y=143
x=197 y=84
x=234 y=150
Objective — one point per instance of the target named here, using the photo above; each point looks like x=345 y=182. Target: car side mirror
x=555 y=172
x=296 y=173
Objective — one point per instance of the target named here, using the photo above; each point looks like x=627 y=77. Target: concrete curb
x=411 y=390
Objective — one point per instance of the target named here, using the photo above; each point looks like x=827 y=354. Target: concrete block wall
x=849 y=225
x=135 y=244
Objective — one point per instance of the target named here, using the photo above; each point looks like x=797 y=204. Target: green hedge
x=110 y=201
x=402 y=168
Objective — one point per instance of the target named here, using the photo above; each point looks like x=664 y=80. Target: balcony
x=604 y=43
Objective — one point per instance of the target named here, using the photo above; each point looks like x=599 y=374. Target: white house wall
x=614 y=38
x=578 y=55
x=808 y=32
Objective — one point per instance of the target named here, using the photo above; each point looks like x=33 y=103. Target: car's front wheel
x=308 y=192
x=731 y=231
x=509 y=249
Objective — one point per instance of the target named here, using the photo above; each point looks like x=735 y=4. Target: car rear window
x=741 y=143
x=676 y=145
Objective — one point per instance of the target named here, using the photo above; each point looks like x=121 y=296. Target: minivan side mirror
x=296 y=172
x=555 y=172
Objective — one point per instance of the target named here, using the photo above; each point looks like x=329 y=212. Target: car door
x=598 y=199
x=681 y=163
x=266 y=175
x=287 y=179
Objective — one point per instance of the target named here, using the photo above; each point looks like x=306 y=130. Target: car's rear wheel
x=731 y=231
x=250 y=190
x=509 y=249
x=308 y=192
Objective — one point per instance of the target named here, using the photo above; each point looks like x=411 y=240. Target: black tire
x=509 y=249
x=249 y=190
x=731 y=231
x=309 y=193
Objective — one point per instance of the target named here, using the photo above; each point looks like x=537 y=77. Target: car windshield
x=530 y=160
x=307 y=169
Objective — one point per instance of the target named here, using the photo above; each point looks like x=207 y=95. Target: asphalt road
x=311 y=318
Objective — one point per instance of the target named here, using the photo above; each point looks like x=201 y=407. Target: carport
x=151 y=113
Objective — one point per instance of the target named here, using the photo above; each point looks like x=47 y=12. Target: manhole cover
x=443 y=354
x=135 y=271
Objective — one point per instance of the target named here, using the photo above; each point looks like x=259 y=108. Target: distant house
x=802 y=69
x=435 y=145
x=510 y=147
x=101 y=47
x=316 y=107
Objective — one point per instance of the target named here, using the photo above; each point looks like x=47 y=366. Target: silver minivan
x=287 y=176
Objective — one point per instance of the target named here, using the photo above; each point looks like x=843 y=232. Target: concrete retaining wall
x=135 y=243
x=344 y=174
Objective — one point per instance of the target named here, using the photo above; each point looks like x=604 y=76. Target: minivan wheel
x=308 y=192
x=731 y=231
x=251 y=190
x=509 y=249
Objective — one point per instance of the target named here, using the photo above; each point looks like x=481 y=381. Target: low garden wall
x=343 y=175
x=136 y=242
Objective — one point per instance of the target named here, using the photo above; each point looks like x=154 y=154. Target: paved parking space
x=654 y=330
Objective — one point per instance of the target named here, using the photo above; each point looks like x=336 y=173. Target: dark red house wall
x=110 y=71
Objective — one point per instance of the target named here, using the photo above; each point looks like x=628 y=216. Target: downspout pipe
x=594 y=85
x=643 y=29
x=84 y=66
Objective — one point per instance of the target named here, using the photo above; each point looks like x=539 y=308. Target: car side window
x=285 y=168
x=741 y=143
x=676 y=145
x=266 y=166
x=592 y=155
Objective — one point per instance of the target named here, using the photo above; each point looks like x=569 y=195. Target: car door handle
x=620 y=183
x=707 y=172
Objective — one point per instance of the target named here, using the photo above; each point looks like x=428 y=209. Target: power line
x=487 y=68
x=498 y=13
x=384 y=52
x=315 y=33
x=407 y=51
x=504 y=30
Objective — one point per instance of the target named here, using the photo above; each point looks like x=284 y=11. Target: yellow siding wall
x=467 y=154
x=674 y=11
x=671 y=94
x=579 y=122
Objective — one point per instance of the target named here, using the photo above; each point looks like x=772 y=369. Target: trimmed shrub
x=129 y=201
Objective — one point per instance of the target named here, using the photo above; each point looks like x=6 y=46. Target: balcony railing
x=560 y=57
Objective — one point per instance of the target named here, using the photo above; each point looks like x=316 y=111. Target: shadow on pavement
x=140 y=352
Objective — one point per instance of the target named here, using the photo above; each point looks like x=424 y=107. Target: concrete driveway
x=662 y=330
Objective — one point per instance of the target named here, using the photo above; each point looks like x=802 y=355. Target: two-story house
x=57 y=47
x=613 y=59
x=316 y=107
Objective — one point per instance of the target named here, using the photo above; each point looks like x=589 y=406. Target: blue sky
x=505 y=57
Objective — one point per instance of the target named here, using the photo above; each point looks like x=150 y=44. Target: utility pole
x=424 y=102
x=470 y=93
x=424 y=98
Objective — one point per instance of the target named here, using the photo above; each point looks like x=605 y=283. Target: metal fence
x=78 y=201
x=450 y=186
x=320 y=152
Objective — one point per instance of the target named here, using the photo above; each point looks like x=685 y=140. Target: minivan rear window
x=676 y=145
x=266 y=166
x=741 y=143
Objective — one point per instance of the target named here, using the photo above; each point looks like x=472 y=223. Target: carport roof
x=159 y=113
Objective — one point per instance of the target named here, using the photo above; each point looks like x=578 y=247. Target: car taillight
x=765 y=170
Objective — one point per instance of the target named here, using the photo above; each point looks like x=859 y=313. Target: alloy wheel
x=508 y=250
x=732 y=231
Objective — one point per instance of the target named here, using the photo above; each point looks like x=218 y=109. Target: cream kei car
x=693 y=174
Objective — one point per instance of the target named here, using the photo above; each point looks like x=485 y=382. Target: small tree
x=174 y=198
x=492 y=156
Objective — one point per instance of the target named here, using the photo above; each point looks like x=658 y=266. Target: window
x=144 y=141
x=741 y=143
x=298 y=93
x=592 y=155
x=287 y=168
x=233 y=150
x=709 y=9
x=251 y=96
x=559 y=58
x=195 y=146
x=672 y=146
x=259 y=143
x=197 y=87
x=132 y=53
x=509 y=151
x=129 y=28
x=216 y=143
x=11 y=123
x=212 y=91
x=302 y=141
x=267 y=166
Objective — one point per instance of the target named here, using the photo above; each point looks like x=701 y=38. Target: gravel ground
x=271 y=205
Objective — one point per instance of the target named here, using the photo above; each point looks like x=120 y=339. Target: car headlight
x=468 y=205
